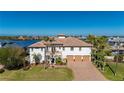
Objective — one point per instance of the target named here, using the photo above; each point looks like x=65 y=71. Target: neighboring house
x=69 y=48
x=117 y=44
x=21 y=38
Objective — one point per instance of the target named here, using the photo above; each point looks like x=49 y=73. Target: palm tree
x=100 y=50
x=49 y=43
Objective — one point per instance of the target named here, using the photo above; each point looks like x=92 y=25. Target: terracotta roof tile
x=70 y=41
x=38 y=44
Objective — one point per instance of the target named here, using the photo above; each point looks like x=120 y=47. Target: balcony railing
x=56 y=53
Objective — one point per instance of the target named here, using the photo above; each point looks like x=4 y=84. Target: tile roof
x=53 y=42
x=38 y=44
x=69 y=41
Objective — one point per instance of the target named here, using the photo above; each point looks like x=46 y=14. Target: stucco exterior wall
x=76 y=51
x=65 y=52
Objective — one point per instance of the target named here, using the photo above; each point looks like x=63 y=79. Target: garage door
x=78 y=58
x=70 y=58
x=86 y=58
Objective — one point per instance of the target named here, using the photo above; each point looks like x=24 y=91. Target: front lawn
x=110 y=75
x=38 y=73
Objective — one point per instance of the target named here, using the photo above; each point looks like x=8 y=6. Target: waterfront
x=21 y=43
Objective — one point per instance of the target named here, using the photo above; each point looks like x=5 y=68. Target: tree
x=50 y=43
x=100 y=49
x=45 y=38
x=12 y=57
x=91 y=39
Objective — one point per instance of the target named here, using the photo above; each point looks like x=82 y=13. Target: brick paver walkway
x=85 y=71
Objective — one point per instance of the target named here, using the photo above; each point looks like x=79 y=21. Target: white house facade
x=69 y=48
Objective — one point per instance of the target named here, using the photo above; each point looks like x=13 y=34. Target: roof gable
x=38 y=44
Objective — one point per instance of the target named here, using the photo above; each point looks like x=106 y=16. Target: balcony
x=57 y=53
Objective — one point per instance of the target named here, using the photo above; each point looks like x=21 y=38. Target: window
x=63 y=48
x=46 y=48
x=59 y=47
x=41 y=49
x=79 y=48
x=72 y=48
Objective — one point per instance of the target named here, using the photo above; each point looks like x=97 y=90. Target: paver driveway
x=85 y=71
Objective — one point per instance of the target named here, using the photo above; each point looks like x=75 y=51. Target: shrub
x=59 y=61
x=64 y=61
x=26 y=63
x=26 y=68
x=2 y=70
x=13 y=64
x=12 y=57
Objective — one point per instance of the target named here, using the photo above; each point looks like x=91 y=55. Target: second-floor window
x=41 y=49
x=63 y=48
x=79 y=48
x=59 y=47
x=72 y=48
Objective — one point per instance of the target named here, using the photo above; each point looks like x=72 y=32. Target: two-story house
x=70 y=48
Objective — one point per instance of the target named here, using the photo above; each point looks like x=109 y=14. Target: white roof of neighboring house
x=116 y=39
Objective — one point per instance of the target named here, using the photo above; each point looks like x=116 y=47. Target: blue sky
x=52 y=23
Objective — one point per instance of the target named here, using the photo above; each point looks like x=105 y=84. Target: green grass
x=38 y=73
x=110 y=75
